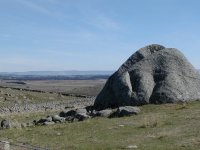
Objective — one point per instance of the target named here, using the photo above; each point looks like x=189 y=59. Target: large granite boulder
x=154 y=74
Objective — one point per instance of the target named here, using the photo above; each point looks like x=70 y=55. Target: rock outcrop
x=154 y=74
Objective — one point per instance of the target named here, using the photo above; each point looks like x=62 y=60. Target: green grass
x=25 y=117
x=157 y=127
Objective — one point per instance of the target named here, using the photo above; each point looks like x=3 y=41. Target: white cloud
x=102 y=21
x=34 y=6
x=40 y=7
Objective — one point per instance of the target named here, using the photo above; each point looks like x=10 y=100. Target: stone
x=153 y=74
x=79 y=113
x=132 y=147
x=104 y=113
x=41 y=121
x=69 y=113
x=4 y=145
x=57 y=118
x=58 y=134
x=90 y=109
x=48 y=123
x=49 y=119
x=125 y=111
x=69 y=118
x=5 y=124
x=65 y=113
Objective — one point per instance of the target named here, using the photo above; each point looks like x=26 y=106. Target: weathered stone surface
x=63 y=114
x=41 y=121
x=57 y=118
x=69 y=118
x=125 y=111
x=104 y=113
x=154 y=74
x=48 y=123
x=6 y=124
x=49 y=119
x=80 y=114
x=44 y=121
x=52 y=105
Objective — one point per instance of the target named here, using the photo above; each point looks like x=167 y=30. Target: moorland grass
x=157 y=127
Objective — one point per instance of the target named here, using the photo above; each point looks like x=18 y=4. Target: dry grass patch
x=158 y=127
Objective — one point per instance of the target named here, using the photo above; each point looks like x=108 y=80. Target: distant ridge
x=58 y=73
x=55 y=75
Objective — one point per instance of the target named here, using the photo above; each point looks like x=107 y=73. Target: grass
x=28 y=117
x=10 y=96
x=158 y=127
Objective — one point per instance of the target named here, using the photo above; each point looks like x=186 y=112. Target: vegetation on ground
x=157 y=127
x=9 y=96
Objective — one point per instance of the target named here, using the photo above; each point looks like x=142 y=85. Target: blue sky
x=93 y=34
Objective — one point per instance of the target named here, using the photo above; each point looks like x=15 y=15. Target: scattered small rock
x=104 y=113
x=57 y=118
x=79 y=114
x=48 y=123
x=125 y=111
x=49 y=119
x=6 y=124
x=131 y=147
x=58 y=134
x=121 y=125
x=69 y=118
x=41 y=121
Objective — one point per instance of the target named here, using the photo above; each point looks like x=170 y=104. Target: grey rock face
x=41 y=121
x=125 y=111
x=154 y=74
x=48 y=123
x=49 y=119
x=6 y=124
x=80 y=114
x=104 y=113
x=57 y=118
x=119 y=112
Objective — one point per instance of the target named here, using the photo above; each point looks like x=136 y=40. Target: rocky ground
x=53 y=105
x=79 y=87
x=69 y=107
x=15 y=101
x=33 y=96
x=43 y=119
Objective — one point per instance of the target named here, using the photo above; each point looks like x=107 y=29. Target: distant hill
x=55 y=75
